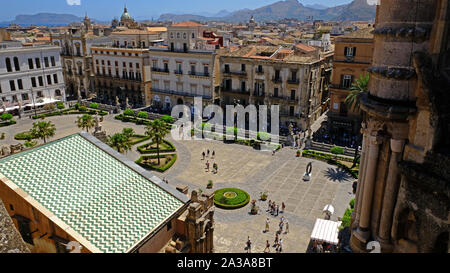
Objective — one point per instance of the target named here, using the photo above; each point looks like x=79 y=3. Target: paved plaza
x=251 y=170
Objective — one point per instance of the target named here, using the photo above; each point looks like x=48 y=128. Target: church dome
x=125 y=15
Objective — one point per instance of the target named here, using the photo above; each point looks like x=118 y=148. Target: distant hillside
x=46 y=19
x=358 y=10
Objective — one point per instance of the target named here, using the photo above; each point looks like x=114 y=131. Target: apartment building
x=75 y=46
x=353 y=55
x=186 y=68
x=122 y=76
x=30 y=76
x=293 y=78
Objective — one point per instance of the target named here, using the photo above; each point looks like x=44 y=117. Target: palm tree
x=157 y=130
x=43 y=130
x=358 y=88
x=128 y=132
x=85 y=122
x=120 y=142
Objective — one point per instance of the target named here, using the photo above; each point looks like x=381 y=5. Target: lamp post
x=34 y=102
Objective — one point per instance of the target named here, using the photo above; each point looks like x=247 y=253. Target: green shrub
x=143 y=115
x=263 y=136
x=352 y=203
x=167 y=119
x=337 y=150
x=93 y=105
x=242 y=199
x=82 y=109
x=30 y=144
x=158 y=169
x=23 y=136
x=77 y=106
x=128 y=112
x=6 y=116
x=346 y=219
x=60 y=106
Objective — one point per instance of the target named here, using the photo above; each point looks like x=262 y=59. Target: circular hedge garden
x=231 y=198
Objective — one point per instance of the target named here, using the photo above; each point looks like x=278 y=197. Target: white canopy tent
x=42 y=102
x=326 y=231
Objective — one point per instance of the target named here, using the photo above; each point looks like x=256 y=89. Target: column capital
x=397 y=145
x=376 y=140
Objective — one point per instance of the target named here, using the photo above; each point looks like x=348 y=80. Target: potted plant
x=210 y=184
x=264 y=195
x=299 y=153
x=254 y=208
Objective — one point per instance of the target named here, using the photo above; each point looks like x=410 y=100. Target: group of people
x=274 y=209
x=215 y=166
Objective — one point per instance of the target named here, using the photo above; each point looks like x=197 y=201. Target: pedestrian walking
x=280 y=246
x=269 y=206
x=249 y=245
x=207 y=166
x=276 y=238
x=207 y=154
x=287 y=227
x=267 y=225
x=213 y=154
x=215 y=168
x=283 y=206
x=203 y=154
x=277 y=210
x=267 y=247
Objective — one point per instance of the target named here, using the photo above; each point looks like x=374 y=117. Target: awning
x=43 y=102
x=9 y=109
x=326 y=231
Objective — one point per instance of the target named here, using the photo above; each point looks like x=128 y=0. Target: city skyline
x=141 y=10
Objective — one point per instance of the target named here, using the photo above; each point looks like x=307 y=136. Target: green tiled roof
x=109 y=204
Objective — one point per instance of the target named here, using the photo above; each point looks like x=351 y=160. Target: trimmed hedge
x=167 y=119
x=337 y=150
x=158 y=169
x=241 y=200
x=23 y=136
x=142 y=149
x=330 y=160
x=7 y=123
x=72 y=111
x=143 y=138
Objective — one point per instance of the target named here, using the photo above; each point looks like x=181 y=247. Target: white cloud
x=73 y=2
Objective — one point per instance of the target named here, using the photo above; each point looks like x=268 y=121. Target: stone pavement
x=245 y=168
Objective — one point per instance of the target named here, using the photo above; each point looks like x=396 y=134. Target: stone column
x=362 y=171
x=390 y=193
x=363 y=232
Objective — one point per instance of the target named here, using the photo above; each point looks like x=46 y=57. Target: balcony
x=276 y=80
x=259 y=71
x=259 y=94
x=178 y=72
x=235 y=73
x=293 y=81
x=160 y=70
x=179 y=93
x=236 y=91
x=289 y=115
x=198 y=74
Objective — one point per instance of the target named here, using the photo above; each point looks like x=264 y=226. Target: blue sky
x=140 y=9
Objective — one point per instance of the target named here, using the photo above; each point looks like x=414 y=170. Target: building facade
x=293 y=78
x=352 y=57
x=403 y=194
x=122 y=76
x=185 y=69
x=30 y=76
x=76 y=56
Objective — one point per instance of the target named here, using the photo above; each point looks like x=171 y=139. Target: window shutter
x=345 y=51
x=342 y=80
x=354 y=51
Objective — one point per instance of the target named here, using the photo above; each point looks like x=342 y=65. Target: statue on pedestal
x=307 y=175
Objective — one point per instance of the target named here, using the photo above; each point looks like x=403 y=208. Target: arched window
x=178 y=35
x=193 y=35
x=16 y=64
x=184 y=35
x=8 y=65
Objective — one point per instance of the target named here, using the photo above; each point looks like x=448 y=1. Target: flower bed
x=231 y=198
x=330 y=159
x=142 y=162
x=165 y=147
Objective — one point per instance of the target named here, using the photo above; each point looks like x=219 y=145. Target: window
x=171 y=35
x=24 y=229
x=184 y=35
x=55 y=78
x=38 y=63
x=243 y=67
x=25 y=97
x=166 y=67
x=206 y=70
x=116 y=63
x=131 y=65
x=193 y=69
x=16 y=64
x=33 y=82
x=8 y=65
x=30 y=64
x=12 y=85
x=109 y=63
x=227 y=68
x=41 y=81
x=346 y=81
x=137 y=65
x=49 y=80
x=260 y=69
x=96 y=61
x=178 y=35
x=103 y=62
x=124 y=64
x=39 y=94
x=193 y=35
x=57 y=92
x=275 y=92
x=11 y=207
x=19 y=84
x=46 y=62
x=350 y=51
x=292 y=94
x=52 y=60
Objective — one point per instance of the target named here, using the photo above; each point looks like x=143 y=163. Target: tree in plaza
x=43 y=130
x=358 y=88
x=85 y=122
x=128 y=132
x=157 y=130
x=120 y=142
